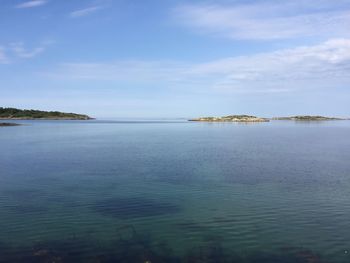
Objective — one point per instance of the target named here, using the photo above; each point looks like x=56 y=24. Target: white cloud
x=85 y=11
x=33 y=3
x=322 y=66
x=269 y=20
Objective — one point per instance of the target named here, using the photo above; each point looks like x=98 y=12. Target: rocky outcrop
x=231 y=118
x=307 y=118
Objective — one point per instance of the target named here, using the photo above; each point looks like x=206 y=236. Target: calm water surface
x=175 y=191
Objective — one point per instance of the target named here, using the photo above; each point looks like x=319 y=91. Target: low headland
x=18 y=114
x=308 y=118
x=8 y=124
x=231 y=118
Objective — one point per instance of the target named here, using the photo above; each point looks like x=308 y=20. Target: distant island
x=231 y=118
x=8 y=124
x=18 y=114
x=308 y=118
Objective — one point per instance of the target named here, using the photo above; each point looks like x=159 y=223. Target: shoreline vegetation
x=249 y=118
x=18 y=114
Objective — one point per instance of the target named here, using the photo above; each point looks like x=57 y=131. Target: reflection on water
x=175 y=192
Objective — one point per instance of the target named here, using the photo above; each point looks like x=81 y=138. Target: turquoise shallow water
x=105 y=191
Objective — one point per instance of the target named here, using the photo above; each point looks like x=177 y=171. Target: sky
x=176 y=59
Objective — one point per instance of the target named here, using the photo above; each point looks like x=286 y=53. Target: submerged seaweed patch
x=125 y=208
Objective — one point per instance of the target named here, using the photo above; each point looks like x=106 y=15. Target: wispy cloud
x=326 y=65
x=268 y=20
x=3 y=57
x=33 y=3
x=322 y=66
x=21 y=52
x=85 y=11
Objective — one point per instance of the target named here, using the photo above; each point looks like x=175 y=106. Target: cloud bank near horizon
x=324 y=66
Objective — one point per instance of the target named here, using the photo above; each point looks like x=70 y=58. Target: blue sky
x=159 y=59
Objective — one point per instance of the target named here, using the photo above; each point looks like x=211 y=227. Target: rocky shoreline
x=48 y=118
x=231 y=118
x=308 y=118
x=249 y=118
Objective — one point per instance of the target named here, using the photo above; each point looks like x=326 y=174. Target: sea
x=175 y=191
